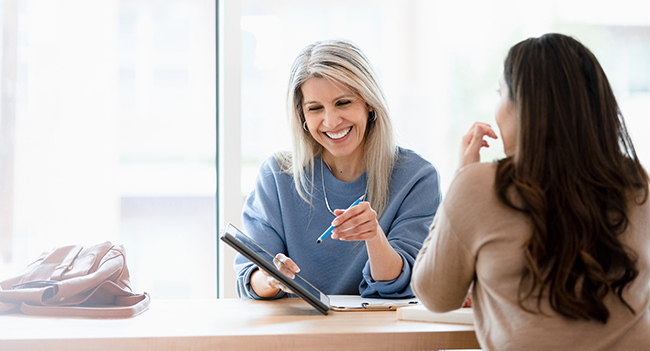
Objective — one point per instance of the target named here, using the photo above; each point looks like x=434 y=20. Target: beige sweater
x=476 y=238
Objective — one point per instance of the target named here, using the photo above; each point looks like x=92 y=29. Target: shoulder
x=474 y=176
x=473 y=183
x=410 y=162
x=416 y=178
x=271 y=182
x=278 y=162
x=476 y=173
x=274 y=168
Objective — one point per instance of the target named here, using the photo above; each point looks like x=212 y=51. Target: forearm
x=444 y=269
x=385 y=263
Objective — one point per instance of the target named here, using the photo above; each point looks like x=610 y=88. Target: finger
x=487 y=130
x=344 y=215
x=285 y=289
x=264 y=273
x=275 y=284
x=287 y=262
x=286 y=265
x=473 y=141
x=354 y=227
x=354 y=216
x=467 y=139
x=284 y=269
x=485 y=127
x=471 y=152
x=366 y=235
x=362 y=231
x=477 y=138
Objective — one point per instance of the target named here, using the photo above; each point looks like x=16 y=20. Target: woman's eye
x=313 y=108
x=343 y=102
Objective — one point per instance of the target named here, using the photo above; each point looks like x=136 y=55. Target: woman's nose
x=331 y=119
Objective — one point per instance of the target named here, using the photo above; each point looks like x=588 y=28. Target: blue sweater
x=280 y=221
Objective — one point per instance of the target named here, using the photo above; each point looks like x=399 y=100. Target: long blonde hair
x=343 y=62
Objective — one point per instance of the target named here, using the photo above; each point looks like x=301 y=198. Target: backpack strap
x=66 y=263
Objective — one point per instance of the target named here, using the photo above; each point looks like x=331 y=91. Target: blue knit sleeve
x=263 y=223
x=414 y=199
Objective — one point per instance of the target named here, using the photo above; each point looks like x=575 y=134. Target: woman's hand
x=356 y=223
x=267 y=286
x=473 y=141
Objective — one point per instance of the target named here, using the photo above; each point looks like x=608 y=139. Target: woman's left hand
x=356 y=223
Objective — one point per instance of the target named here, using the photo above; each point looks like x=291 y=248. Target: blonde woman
x=343 y=149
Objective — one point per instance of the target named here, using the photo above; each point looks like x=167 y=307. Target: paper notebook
x=421 y=313
x=358 y=303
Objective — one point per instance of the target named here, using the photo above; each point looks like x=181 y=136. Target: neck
x=345 y=169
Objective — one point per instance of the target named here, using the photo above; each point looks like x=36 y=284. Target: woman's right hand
x=267 y=286
x=472 y=142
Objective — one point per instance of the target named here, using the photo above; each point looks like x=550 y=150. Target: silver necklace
x=322 y=178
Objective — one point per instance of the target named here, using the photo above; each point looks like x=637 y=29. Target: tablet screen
x=264 y=260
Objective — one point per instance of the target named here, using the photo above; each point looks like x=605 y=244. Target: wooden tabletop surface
x=233 y=324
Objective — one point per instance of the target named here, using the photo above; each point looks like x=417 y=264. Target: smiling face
x=336 y=118
x=505 y=118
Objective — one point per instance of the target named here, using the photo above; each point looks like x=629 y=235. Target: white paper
x=421 y=313
x=356 y=301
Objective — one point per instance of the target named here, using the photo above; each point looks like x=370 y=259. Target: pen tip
x=318 y=241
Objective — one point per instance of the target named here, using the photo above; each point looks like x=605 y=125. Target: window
x=438 y=61
x=108 y=132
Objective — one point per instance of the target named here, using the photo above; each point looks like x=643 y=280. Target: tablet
x=264 y=260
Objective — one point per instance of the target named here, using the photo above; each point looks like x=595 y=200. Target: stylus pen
x=329 y=230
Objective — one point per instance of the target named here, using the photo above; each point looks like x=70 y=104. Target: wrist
x=378 y=238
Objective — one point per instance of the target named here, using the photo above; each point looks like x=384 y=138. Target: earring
x=304 y=126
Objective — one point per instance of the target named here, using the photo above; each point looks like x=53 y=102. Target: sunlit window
x=438 y=61
x=108 y=133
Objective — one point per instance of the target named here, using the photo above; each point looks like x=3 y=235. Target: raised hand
x=473 y=141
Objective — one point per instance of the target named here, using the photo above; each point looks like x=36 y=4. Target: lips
x=336 y=136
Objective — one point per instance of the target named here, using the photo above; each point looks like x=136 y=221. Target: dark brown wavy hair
x=574 y=168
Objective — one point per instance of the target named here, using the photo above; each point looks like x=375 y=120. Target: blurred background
x=108 y=125
x=439 y=63
x=108 y=132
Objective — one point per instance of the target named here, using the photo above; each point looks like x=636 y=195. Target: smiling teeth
x=339 y=135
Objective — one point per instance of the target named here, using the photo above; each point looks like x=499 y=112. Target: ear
x=372 y=115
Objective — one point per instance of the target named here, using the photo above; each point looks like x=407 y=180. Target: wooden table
x=233 y=324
